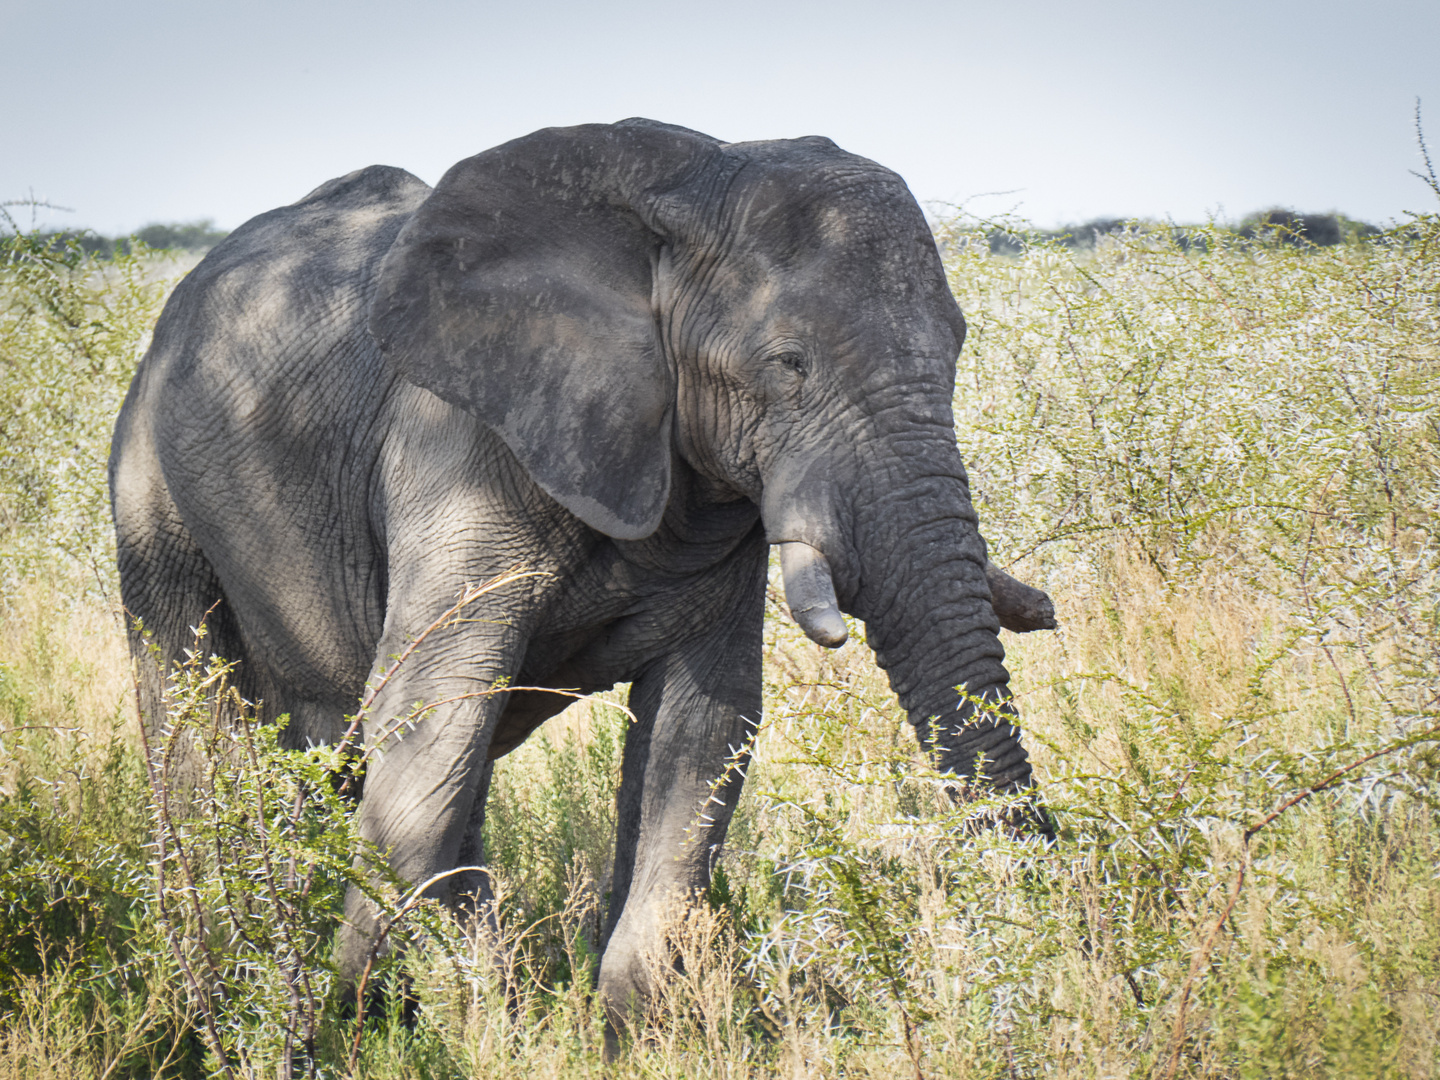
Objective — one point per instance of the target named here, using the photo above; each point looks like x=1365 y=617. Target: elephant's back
x=258 y=401
x=276 y=306
x=279 y=285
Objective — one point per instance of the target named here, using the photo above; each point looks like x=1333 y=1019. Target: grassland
x=1221 y=456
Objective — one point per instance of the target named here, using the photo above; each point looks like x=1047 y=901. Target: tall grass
x=1220 y=455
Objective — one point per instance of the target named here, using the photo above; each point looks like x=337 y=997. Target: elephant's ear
x=521 y=291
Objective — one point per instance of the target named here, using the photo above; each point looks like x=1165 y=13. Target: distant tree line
x=1275 y=224
x=177 y=236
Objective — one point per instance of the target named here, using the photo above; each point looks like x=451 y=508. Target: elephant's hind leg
x=167 y=587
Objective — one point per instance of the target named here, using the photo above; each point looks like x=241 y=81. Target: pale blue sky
x=167 y=110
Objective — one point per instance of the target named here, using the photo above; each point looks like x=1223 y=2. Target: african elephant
x=626 y=357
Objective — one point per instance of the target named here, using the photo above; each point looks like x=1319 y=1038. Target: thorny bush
x=1219 y=453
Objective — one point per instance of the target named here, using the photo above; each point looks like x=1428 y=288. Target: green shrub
x=1217 y=452
x=72 y=328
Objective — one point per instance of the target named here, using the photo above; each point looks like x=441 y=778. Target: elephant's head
x=773 y=314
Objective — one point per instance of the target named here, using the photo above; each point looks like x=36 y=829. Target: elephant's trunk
x=881 y=526
x=923 y=593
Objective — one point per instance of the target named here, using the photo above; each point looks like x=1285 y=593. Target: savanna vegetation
x=172 y=236
x=1218 y=449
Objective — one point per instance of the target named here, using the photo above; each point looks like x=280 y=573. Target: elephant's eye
x=795 y=361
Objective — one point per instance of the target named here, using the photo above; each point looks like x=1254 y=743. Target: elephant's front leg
x=427 y=767
x=695 y=709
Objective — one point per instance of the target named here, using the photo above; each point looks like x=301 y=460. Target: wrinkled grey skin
x=628 y=357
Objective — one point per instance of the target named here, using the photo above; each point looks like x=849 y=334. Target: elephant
x=628 y=358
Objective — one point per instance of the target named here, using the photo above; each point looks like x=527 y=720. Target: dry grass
x=1221 y=462
x=67 y=661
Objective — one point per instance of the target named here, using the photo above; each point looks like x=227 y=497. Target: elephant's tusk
x=811 y=594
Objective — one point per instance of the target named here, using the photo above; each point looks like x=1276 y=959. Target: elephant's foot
x=637 y=957
x=625 y=992
x=627 y=1003
x=1019 y=607
x=356 y=948
x=610 y=1052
